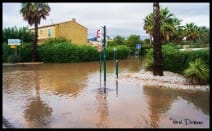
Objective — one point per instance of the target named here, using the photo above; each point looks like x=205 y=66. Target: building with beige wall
x=70 y=30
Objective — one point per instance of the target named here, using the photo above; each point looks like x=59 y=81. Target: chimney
x=73 y=19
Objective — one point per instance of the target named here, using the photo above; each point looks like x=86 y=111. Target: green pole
x=138 y=56
x=100 y=62
x=104 y=44
x=117 y=63
x=114 y=58
x=16 y=54
x=138 y=52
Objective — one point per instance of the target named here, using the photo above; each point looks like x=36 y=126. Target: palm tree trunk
x=34 y=47
x=157 y=53
x=150 y=40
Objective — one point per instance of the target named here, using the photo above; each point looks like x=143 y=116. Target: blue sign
x=138 y=46
x=14 y=41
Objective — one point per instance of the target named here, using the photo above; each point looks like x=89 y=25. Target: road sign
x=12 y=46
x=99 y=35
x=99 y=48
x=14 y=42
x=138 y=46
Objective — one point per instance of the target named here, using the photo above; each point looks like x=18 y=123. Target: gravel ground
x=169 y=80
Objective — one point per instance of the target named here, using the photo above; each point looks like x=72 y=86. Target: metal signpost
x=114 y=49
x=13 y=43
x=138 y=46
x=101 y=37
x=104 y=45
x=100 y=59
x=99 y=46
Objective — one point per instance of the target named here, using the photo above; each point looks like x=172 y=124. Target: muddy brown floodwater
x=74 y=95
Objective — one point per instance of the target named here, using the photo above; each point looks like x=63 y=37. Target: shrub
x=6 y=50
x=26 y=52
x=23 y=51
x=175 y=60
x=55 y=40
x=197 y=72
x=67 y=52
x=12 y=58
x=148 y=64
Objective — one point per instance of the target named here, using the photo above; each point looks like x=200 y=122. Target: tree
x=192 y=32
x=132 y=40
x=180 y=34
x=168 y=25
x=157 y=53
x=22 y=33
x=119 y=40
x=33 y=13
x=148 y=26
x=204 y=35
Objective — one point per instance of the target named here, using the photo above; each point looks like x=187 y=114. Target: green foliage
x=132 y=40
x=12 y=58
x=146 y=43
x=66 y=52
x=197 y=72
x=111 y=43
x=168 y=24
x=148 y=64
x=6 y=50
x=203 y=54
x=55 y=40
x=122 y=52
x=26 y=52
x=22 y=33
x=119 y=40
x=18 y=54
x=148 y=61
x=175 y=60
x=172 y=30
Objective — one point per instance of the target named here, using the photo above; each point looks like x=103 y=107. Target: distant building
x=70 y=30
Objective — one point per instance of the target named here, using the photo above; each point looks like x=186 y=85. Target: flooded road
x=74 y=96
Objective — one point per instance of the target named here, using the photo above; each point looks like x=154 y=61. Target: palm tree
x=157 y=53
x=33 y=13
x=197 y=72
x=180 y=34
x=204 y=35
x=192 y=32
x=168 y=24
x=148 y=26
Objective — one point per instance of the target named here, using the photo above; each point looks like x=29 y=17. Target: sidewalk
x=21 y=63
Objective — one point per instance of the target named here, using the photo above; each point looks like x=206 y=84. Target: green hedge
x=6 y=51
x=18 y=54
x=67 y=52
x=177 y=61
x=26 y=52
x=60 y=50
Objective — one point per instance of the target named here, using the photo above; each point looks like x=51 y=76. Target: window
x=49 y=32
x=41 y=32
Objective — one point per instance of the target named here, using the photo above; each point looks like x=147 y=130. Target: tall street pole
x=104 y=45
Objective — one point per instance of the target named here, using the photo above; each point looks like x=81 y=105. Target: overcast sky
x=120 y=18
